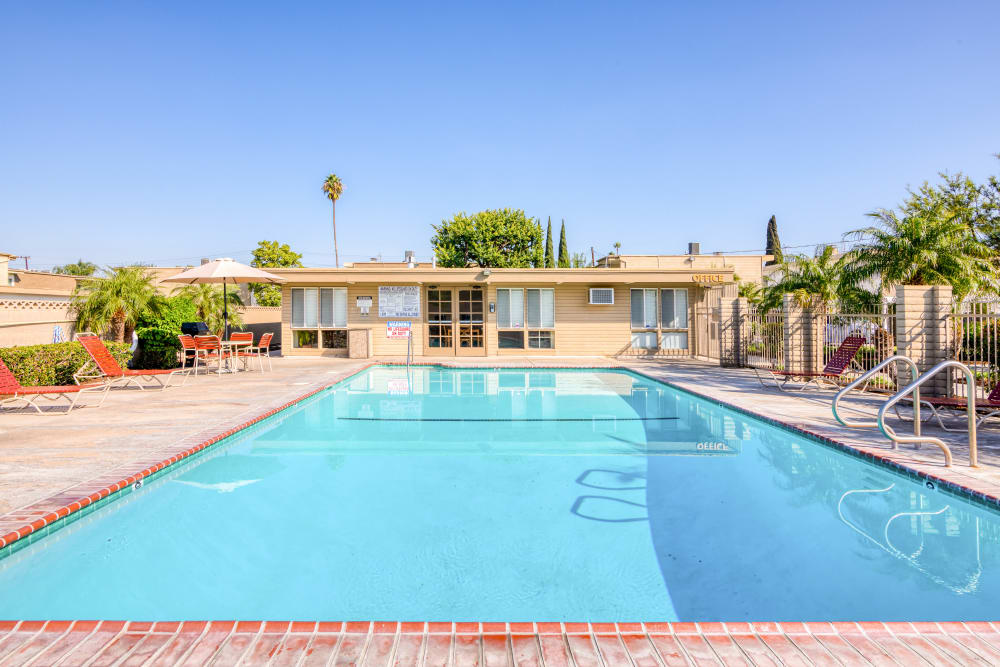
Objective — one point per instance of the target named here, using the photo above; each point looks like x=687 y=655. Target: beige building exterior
x=34 y=305
x=747 y=268
x=494 y=312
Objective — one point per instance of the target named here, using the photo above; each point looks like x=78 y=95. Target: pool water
x=509 y=495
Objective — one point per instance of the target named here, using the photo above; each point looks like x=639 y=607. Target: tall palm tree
x=115 y=302
x=207 y=300
x=924 y=247
x=333 y=188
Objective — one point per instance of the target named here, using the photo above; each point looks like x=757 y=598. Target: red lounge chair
x=108 y=370
x=991 y=404
x=10 y=387
x=832 y=372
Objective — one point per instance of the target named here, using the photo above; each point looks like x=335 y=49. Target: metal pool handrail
x=864 y=378
x=970 y=378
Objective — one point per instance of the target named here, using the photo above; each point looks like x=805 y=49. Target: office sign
x=399 y=301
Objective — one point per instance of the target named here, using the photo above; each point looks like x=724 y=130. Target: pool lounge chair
x=14 y=391
x=991 y=404
x=832 y=372
x=110 y=372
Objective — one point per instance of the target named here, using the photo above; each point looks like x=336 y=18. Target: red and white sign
x=397 y=329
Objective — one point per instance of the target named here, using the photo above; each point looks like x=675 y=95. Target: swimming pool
x=452 y=494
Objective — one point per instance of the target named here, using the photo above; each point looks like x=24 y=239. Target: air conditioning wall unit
x=602 y=296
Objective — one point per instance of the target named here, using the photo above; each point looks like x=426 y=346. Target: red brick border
x=509 y=644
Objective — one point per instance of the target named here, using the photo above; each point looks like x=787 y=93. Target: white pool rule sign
x=397 y=329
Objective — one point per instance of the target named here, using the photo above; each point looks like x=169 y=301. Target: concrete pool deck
x=51 y=462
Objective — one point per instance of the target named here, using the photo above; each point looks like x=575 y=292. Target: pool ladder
x=914 y=389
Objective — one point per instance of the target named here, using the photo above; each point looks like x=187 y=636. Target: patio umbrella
x=227 y=271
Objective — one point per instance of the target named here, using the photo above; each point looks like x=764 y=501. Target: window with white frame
x=540 y=308
x=674 y=308
x=530 y=308
x=664 y=314
x=305 y=307
x=319 y=308
x=644 y=309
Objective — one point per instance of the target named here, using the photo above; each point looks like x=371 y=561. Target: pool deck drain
x=227 y=405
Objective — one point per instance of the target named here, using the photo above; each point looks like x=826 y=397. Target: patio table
x=231 y=349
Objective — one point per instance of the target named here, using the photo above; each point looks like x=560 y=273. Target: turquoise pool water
x=516 y=495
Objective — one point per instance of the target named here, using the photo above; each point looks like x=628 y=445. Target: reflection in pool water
x=444 y=494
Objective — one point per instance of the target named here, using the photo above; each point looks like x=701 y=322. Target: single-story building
x=372 y=308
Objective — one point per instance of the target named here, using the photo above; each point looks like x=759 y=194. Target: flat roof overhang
x=588 y=276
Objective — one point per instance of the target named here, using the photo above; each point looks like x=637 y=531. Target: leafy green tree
x=959 y=197
x=579 y=260
x=618 y=247
x=271 y=254
x=538 y=258
x=550 y=256
x=501 y=238
x=563 y=249
x=333 y=187
x=773 y=242
x=927 y=245
x=113 y=304
x=78 y=268
x=207 y=300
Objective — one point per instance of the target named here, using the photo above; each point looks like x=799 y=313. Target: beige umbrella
x=227 y=271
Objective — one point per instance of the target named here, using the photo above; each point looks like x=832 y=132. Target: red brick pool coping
x=229 y=642
x=508 y=644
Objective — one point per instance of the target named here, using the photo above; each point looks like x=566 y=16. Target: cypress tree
x=538 y=261
x=563 y=250
x=773 y=243
x=550 y=260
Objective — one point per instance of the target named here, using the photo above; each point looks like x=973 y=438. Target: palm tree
x=333 y=188
x=115 y=303
x=618 y=247
x=207 y=300
x=820 y=282
x=924 y=247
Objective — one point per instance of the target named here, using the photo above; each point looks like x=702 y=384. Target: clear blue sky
x=164 y=132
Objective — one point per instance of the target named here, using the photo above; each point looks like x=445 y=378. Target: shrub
x=175 y=311
x=158 y=347
x=54 y=363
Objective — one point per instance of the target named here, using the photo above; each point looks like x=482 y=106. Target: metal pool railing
x=975 y=342
x=763 y=334
x=879 y=331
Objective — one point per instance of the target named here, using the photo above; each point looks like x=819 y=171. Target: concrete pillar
x=804 y=329
x=731 y=311
x=922 y=332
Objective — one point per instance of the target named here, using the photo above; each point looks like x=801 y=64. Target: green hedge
x=158 y=348
x=54 y=363
x=175 y=311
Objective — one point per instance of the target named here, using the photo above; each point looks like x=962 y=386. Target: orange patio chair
x=243 y=351
x=263 y=350
x=209 y=348
x=110 y=372
x=16 y=392
x=188 y=349
x=832 y=372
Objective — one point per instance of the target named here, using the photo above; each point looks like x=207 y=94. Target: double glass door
x=455 y=321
